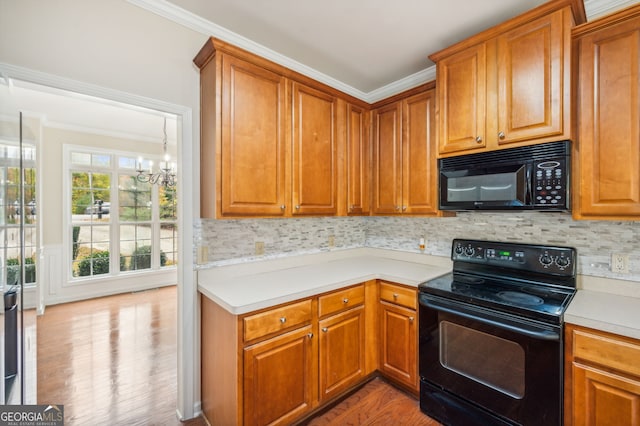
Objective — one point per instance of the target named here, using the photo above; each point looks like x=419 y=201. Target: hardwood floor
x=112 y=360
x=377 y=403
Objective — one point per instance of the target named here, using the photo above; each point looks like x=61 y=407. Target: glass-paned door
x=19 y=135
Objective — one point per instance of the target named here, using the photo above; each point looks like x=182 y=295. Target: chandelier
x=166 y=175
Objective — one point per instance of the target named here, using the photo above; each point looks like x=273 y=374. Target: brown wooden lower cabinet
x=602 y=378
x=398 y=358
x=342 y=349
x=277 y=365
x=279 y=378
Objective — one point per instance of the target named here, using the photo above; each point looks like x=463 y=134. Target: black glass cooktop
x=523 y=298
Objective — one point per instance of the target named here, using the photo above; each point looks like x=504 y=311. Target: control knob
x=458 y=250
x=469 y=251
x=546 y=259
x=562 y=261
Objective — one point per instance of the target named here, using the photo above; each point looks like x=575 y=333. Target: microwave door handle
x=529 y=194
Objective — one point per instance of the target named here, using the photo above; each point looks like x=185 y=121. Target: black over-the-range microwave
x=534 y=177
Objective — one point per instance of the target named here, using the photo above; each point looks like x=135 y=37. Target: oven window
x=490 y=360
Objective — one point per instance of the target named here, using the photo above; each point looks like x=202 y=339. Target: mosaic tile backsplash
x=232 y=241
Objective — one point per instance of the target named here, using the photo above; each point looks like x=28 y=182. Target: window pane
x=134 y=198
x=101 y=160
x=168 y=244
x=81 y=159
x=135 y=247
x=127 y=163
x=168 y=203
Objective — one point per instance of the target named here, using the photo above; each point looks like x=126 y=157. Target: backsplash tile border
x=233 y=241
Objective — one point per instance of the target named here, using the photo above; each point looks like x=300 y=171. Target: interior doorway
x=14 y=77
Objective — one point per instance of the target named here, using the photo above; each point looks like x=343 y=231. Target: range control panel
x=530 y=257
x=550 y=182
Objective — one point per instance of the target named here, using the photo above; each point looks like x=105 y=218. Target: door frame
x=188 y=326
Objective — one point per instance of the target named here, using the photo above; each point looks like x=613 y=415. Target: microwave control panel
x=550 y=183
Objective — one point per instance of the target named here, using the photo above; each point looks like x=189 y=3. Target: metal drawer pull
x=411 y=319
x=345 y=300
x=501 y=135
x=325 y=329
x=479 y=139
x=283 y=320
x=395 y=296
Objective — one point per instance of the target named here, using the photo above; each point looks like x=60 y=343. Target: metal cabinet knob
x=345 y=300
x=501 y=135
x=283 y=320
x=479 y=139
x=404 y=208
x=310 y=335
x=395 y=295
x=297 y=207
x=282 y=207
x=411 y=319
x=397 y=207
x=325 y=329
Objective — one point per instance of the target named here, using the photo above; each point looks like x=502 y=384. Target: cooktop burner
x=532 y=281
x=518 y=298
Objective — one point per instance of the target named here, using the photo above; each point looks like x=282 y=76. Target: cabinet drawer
x=340 y=300
x=399 y=295
x=607 y=350
x=277 y=319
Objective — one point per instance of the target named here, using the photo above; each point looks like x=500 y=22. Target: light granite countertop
x=247 y=287
x=606 y=304
x=601 y=303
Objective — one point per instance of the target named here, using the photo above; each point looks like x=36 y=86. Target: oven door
x=482 y=367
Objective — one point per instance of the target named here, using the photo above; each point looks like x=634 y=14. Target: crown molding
x=598 y=8
x=178 y=15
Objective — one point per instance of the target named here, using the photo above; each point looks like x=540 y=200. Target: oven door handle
x=510 y=325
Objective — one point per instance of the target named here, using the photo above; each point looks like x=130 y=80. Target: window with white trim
x=118 y=225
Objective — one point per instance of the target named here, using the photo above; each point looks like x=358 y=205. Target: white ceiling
x=370 y=49
x=67 y=110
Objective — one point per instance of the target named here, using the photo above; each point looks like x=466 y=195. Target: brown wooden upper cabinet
x=510 y=85
x=607 y=153
x=404 y=160
x=271 y=140
x=314 y=152
x=358 y=154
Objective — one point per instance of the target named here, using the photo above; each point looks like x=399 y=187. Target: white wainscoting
x=56 y=288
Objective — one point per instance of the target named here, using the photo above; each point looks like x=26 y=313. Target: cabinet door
x=419 y=168
x=603 y=398
x=399 y=336
x=387 y=157
x=609 y=122
x=462 y=90
x=314 y=152
x=358 y=154
x=531 y=81
x=341 y=352
x=280 y=378
x=253 y=145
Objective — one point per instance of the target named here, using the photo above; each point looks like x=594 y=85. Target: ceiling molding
x=597 y=8
x=176 y=14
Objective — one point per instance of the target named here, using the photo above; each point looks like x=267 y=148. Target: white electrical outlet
x=332 y=240
x=259 y=248
x=620 y=263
